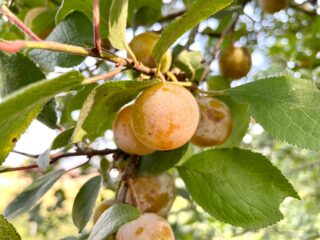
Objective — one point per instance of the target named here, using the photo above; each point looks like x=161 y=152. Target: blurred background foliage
x=286 y=42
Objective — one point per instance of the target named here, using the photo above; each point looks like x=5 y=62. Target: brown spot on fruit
x=215 y=124
x=154 y=194
x=139 y=231
x=154 y=228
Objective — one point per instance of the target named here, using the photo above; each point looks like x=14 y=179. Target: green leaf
x=20 y=71
x=17 y=72
x=43 y=160
x=142 y=12
x=237 y=186
x=286 y=107
x=104 y=166
x=189 y=62
x=160 y=161
x=218 y=83
x=19 y=109
x=71 y=102
x=63 y=139
x=30 y=196
x=48 y=115
x=7 y=230
x=76 y=29
x=117 y=24
x=102 y=104
x=112 y=219
x=86 y=7
x=240 y=121
x=84 y=202
x=69 y=6
x=198 y=11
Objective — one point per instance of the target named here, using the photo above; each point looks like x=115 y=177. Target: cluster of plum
x=165 y=117
x=154 y=196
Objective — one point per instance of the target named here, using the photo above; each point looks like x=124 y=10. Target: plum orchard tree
x=175 y=113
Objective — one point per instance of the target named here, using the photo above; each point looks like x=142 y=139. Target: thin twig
x=192 y=37
x=15 y=20
x=129 y=172
x=15 y=46
x=105 y=76
x=25 y=154
x=57 y=156
x=218 y=45
x=171 y=16
x=96 y=26
x=134 y=193
x=212 y=92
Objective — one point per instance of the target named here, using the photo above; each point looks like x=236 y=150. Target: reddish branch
x=57 y=156
x=118 y=69
x=15 y=20
x=96 y=26
x=15 y=46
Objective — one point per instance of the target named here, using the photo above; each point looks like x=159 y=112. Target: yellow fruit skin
x=154 y=194
x=142 y=46
x=165 y=116
x=235 y=62
x=148 y=227
x=272 y=6
x=124 y=136
x=100 y=209
x=215 y=124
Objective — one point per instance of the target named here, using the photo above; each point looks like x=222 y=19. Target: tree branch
x=191 y=38
x=15 y=20
x=218 y=45
x=57 y=156
x=105 y=76
x=16 y=46
x=171 y=16
x=25 y=154
x=129 y=173
x=96 y=26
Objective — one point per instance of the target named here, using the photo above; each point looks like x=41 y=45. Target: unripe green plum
x=215 y=124
x=124 y=136
x=154 y=194
x=234 y=62
x=142 y=46
x=165 y=116
x=101 y=208
x=148 y=227
x=272 y=6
